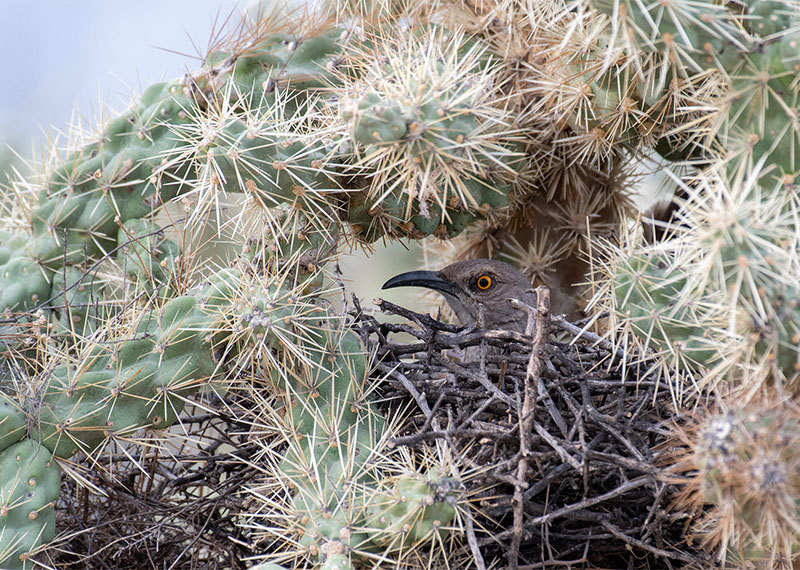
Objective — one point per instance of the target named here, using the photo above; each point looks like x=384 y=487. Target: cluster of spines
x=744 y=463
x=429 y=125
x=578 y=127
x=111 y=386
x=727 y=280
x=726 y=273
x=335 y=499
x=246 y=123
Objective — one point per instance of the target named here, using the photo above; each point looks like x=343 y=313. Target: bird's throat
x=464 y=315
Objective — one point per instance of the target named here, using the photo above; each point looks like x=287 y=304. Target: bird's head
x=468 y=285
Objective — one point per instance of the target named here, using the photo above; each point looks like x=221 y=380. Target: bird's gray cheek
x=464 y=315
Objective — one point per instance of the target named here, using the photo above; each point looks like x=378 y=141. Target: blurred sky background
x=68 y=55
x=63 y=55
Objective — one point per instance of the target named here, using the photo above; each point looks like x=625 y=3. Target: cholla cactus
x=716 y=298
x=744 y=462
x=511 y=124
x=733 y=246
x=432 y=123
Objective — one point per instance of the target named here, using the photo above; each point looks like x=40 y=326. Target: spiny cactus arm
x=717 y=300
x=12 y=422
x=721 y=293
x=340 y=505
x=678 y=49
x=108 y=392
x=205 y=136
x=141 y=379
x=426 y=114
x=744 y=463
x=78 y=302
x=30 y=485
x=125 y=173
x=148 y=257
x=137 y=380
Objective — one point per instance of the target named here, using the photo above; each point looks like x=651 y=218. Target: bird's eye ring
x=484 y=282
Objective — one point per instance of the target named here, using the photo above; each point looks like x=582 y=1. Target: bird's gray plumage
x=461 y=284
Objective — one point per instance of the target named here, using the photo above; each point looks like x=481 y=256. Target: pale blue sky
x=59 y=54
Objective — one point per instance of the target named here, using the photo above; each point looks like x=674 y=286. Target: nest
x=565 y=431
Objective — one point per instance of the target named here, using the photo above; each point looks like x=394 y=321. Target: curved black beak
x=428 y=279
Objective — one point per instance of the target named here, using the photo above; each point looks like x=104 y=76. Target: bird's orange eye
x=484 y=282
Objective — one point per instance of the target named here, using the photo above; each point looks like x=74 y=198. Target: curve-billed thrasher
x=466 y=285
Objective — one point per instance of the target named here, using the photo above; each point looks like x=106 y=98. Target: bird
x=476 y=288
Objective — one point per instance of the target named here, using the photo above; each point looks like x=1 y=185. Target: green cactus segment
x=416 y=510
x=745 y=234
x=375 y=121
x=763 y=106
x=95 y=198
x=424 y=121
x=697 y=36
x=731 y=279
x=332 y=434
x=137 y=381
x=24 y=283
x=777 y=334
x=15 y=245
x=436 y=122
x=337 y=562
x=297 y=61
x=77 y=300
x=113 y=180
x=119 y=165
x=748 y=462
x=30 y=485
x=12 y=422
x=294 y=239
x=753 y=48
x=273 y=166
x=145 y=254
x=373 y=218
x=648 y=291
x=692 y=35
x=769 y=19
x=277 y=318
x=119 y=177
x=289 y=60
x=81 y=225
